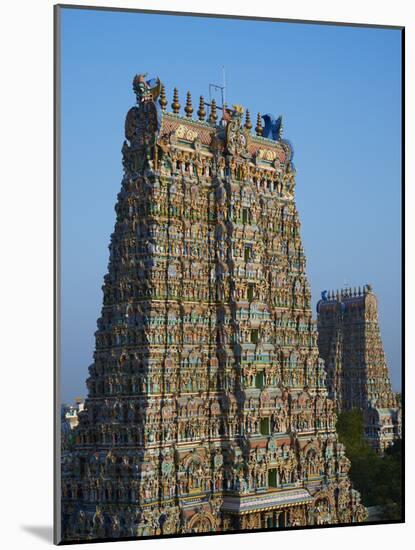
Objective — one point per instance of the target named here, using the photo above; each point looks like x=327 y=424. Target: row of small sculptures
x=198 y=469
x=196 y=381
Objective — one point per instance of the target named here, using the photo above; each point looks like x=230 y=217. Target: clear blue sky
x=338 y=89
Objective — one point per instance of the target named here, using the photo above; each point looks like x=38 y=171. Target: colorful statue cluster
x=207 y=408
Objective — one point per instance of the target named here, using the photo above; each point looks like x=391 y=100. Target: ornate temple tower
x=207 y=408
x=357 y=373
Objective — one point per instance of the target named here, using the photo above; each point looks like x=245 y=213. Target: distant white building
x=70 y=412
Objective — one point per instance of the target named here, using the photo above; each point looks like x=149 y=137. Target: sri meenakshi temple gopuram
x=208 y=405
x=357 y=374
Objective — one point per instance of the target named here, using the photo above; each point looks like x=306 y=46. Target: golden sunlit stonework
x=207 y=408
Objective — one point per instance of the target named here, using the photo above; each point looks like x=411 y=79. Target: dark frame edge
x=235 y=532
x=57 y=272
x=229 y=16
x=403 y=274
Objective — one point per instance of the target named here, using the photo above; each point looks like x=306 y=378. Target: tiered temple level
x=207 y=407
x=357 y=373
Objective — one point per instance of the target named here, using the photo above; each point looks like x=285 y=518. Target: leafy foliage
x=377 y=478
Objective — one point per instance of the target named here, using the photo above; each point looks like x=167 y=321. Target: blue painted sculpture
x=273 y=127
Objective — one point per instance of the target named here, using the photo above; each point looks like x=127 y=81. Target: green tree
x=377 y=478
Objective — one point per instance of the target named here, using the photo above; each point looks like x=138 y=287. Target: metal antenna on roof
x=216 y=87
x=223 y=85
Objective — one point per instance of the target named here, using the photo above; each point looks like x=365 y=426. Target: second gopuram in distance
x=207 y=408
x=350 y=343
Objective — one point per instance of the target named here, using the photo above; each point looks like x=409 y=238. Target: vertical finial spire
x=175 y=105
x=213 y=117
x=360 y=291
x=258 y=127
x=163 y=100
x=201 y=113
x=248 y=123
x=188 y=108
